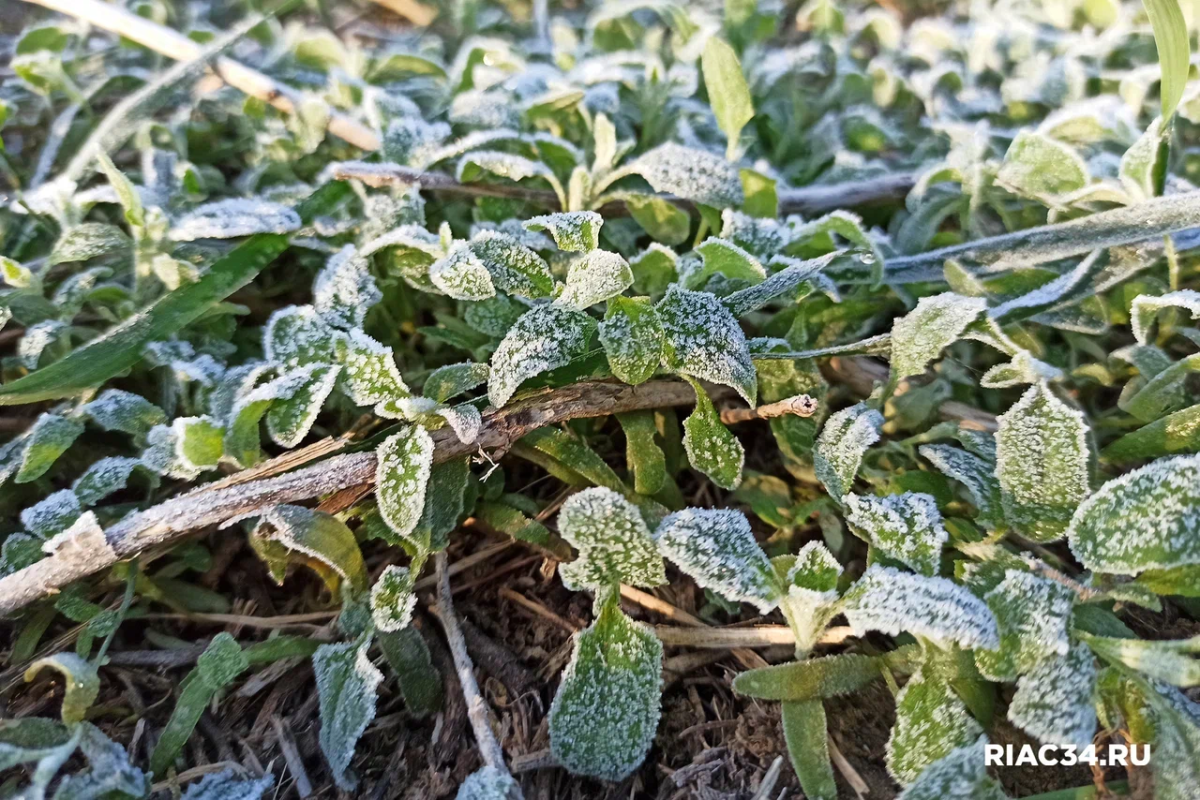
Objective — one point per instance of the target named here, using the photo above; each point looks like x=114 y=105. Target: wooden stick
x=801 y=405
x=727 y=638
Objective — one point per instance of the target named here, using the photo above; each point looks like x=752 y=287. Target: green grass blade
x=1171 y=37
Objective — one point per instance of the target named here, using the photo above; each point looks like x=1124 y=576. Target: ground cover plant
x=613 y=399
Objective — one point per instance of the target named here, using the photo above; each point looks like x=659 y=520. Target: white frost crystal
x=692 y=174
x=226 y=219
x=369 y=372
x=1033 y=614
x=117 y=410
x=906 y=527
x=401 y=476
x=344 y=290
x=844 y=438
x=632 y=337
x=703 y=340
x=1145 y=308
x=971 y=471
x=102 y=478
x=888 y=600
x=1053 y=702
x=1146 y=519
x=544 y=338
x=462 y=274
x=1041 y=463
x=613 y=541
x=51 y=515
x=488 y=783
x=959 y=775
x=393 y=599
x=936 y=323
x=718 y=550
x=595 y=277
x=930 y=723
x=574 y=231
x=297 y=335
x=346 y=684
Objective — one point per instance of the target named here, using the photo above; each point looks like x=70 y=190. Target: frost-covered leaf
x=242 y=428
x=644 y=456
x=296 y=336
x=404 y=461
x=345 y=290
x=632 y=338
x=462 y=274
x=888 y=600
x=445 y=503
x=931 y=722
x=319 y=536
x=199 y=442
x=711 y=447
x=666 y=222
x=1145 y=308
x=475 y=165
x=290 y=418
x=1143 y=167
x=1033 y=615
x=89 y=240
x=692 y=174
x=513 y=266
x=393 y=599
x=1053 y=702
x=19 y=551
x=778 y=285
x=346 y=684
x=722 y=257
x=455 y=379
x=1022 y=370
x=51 y=514
x=703 y=340
x=960 y=773
x=38 y=338
x=906 y=527
x=1036 y=165
x=606 y=710
x=488 y=783
x=369 y=372
x=849 y=227
x=936 y=323
x=573 y=231
x=81 y=683
x=117 y=410
x=1176 y=759
x=31 y=455
x=228 y=219
x=544 y=338
x=613 y=541
x=109 y=774
x=594 y=277
x=841 y=444
x=102 y=478
x=227 y=786
x=728 y=93
x=1146 y=519
x=971 y=471
x=718 y=550
x=1041 y=463
x=814 y=568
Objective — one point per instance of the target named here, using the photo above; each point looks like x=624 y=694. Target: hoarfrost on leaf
x=718 y=550
x=1145 y=308
x=605 y=713
x=514 y=267
x=962 y=773
x=815 y=568
x=52 y=514
x=544 y=338
x=455 y=379
x=1023 y=369
x=50 y=437
x=573 y=231
x=505 y=165
x=613 y=541
x=632 y=338
x=841 y=444
x=227 y=219
x=594 y=277
x=319 y=536
x=695 y=175
x=906 y=527
x=936 y=323
x=487 y=783
x=290 y=418
x=226 y=785
x=102 y=478
x=1041 y=463
x=1036 y=166
x=199 y=442
x=401 y=477
x=1033 y=615
x=931 y=722
x=703 y=339
x=393 y=599
x=369 y=372
x=722 y=257
x=971 y=471
x=888 y=600
x=710 y=446
x=346 y=684
x=1146 y=519
x=345 y=290
x=461 y=274
x=296 y=336
x=1053 y=702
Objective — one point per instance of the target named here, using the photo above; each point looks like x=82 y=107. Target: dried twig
x=292 y=757
x=801 y=406
x=725 y=638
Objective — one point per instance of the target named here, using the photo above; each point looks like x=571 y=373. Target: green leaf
x=1036 y=166
x=393 y=599
x=711 y=447
x=573 y=231
x=89 y=240
x=971 y=471
x=807 y=738
x=632 y=337
x=1144 y=166
x=319 y=536
x=419 y=681
x=226 y=786
x=455 y=379
x=369 y=373
x=613 y=541
x=1146 y=519
x=345 y=290
x=1041 y=463
x=906 y=527
x=849 y=227
x=787 y=280
x=663 y=220
x=960 y=773
x=346 y=684
x=825 y=677
x=289 y=419
x=297 y=336
x=1183 y=581
x=117 y=410
x=513 y=267
x=937 y=322
x=718 y=550
x=931 y=722
x=51 y=514
x=82 y=683
x=692 y=174
x=605 y=713
x=570 y=454
x=199 y=442
x=487 y=783
x=728 y=93
x=722 y=257
x=1144 y=310
x=1053 y=702
x=404 y=463
x=888 y=600
x=121 y=348
x=1171 y=37
x=841 y=444
x=703 y=340
x=1176 y=752
x=642 y=453
x=762 y=196
x=544 y=338
x=445 y=503
x=594 y=277
x=1165 y=661
x=31 y=455
x=1033 y=615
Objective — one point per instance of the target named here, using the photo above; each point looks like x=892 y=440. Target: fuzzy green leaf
x=346 y=684
x=613 y=541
